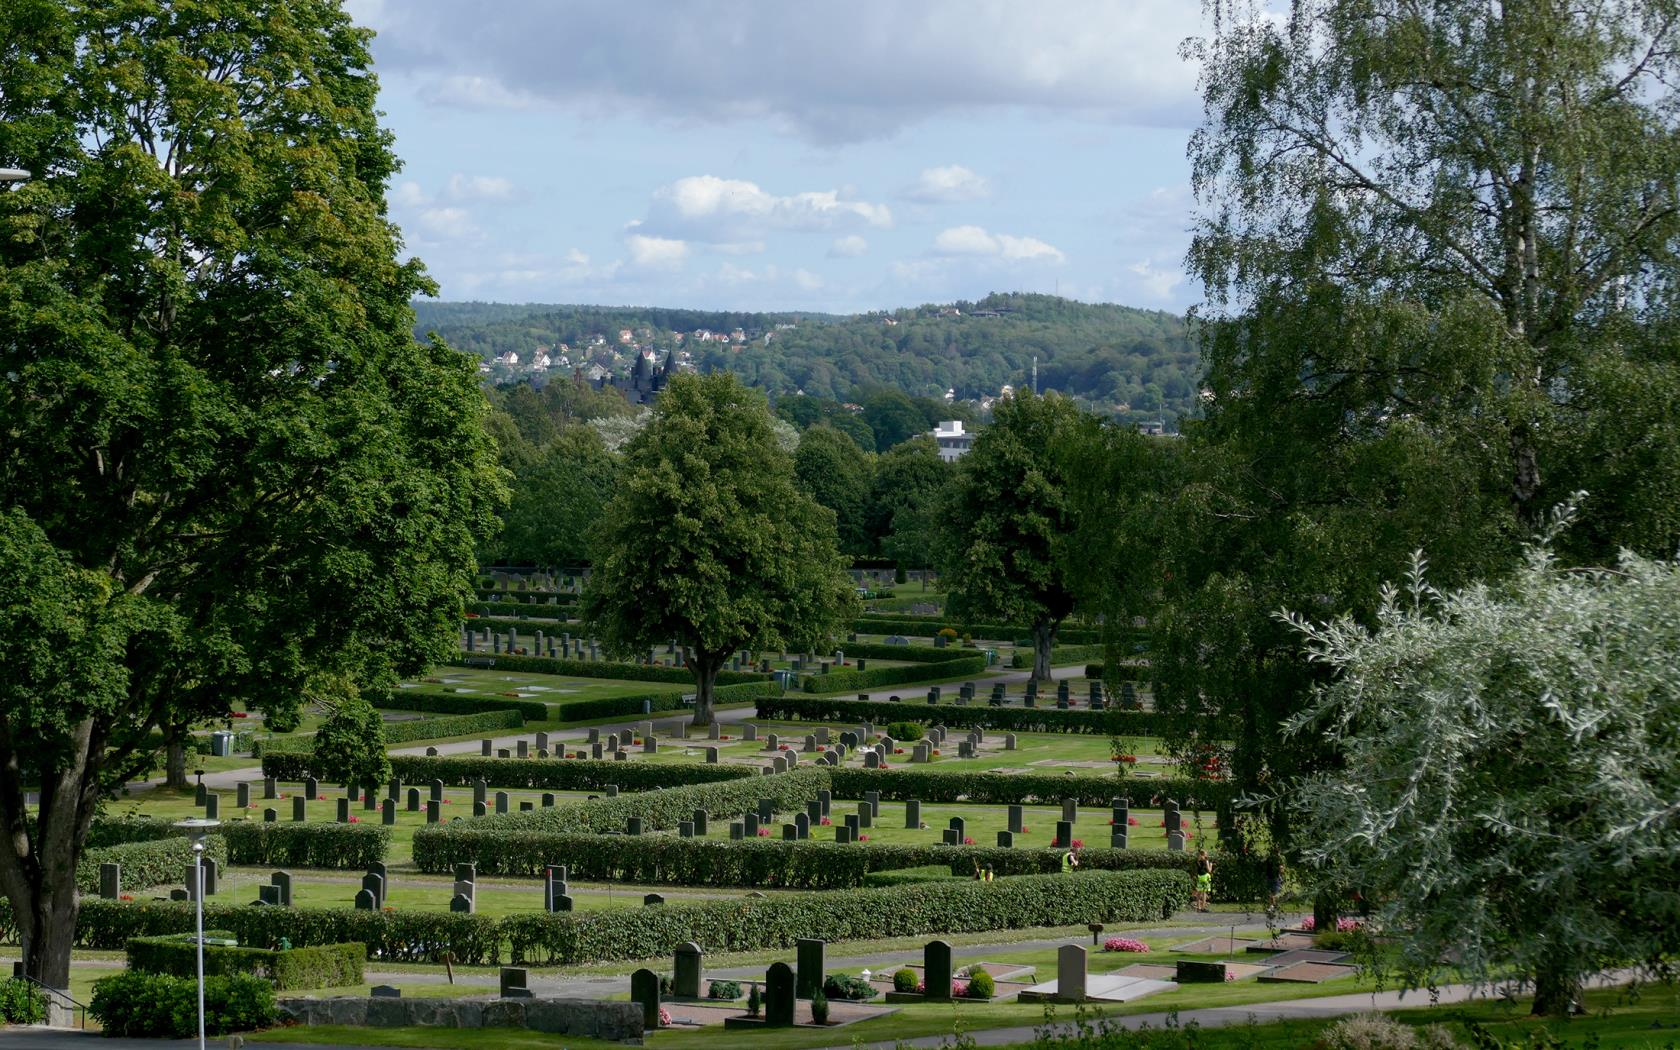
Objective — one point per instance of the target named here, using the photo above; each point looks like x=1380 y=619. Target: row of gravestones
x=566 y=648
x=387 y=807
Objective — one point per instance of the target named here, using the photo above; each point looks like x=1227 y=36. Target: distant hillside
x=1135 y=362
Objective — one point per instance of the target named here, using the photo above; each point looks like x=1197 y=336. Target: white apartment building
x=953 y=441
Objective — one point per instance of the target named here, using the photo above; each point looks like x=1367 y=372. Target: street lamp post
x=14 y=175
x=197 y=829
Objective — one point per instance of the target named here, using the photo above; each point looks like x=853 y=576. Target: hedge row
x=927 y=626
x=624 y=670
x=632 y=706
x=510 y=844
x=978 y=712
x=391 y=936
x=902 y=783
x=961 y=663
x=409 y=730
x=552 y=775
x=110 y=830
x=309 y=845
x=459 y=703
x=158 y=862
x=320 y=966
x=570 y=938
x=915 y=654
x=1060 y=655
x=565 y=938
x=771 y=862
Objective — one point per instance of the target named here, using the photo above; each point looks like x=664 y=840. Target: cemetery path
x=230 y=778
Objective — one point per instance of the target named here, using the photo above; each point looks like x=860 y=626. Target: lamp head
x=13 y=175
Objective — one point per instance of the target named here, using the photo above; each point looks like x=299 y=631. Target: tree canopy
x=230 y=472
x=556 y=501
x=837 y=474
x=708 y=540
x=1512 y=765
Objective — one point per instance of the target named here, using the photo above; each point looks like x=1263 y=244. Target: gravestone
x=737 y=831
x=1009 y=741
x=913 y=814
x=749 y=732
x=480 y=790
x=501 y=802
x=353 y=792
x=812 y=962
x=375 y=884
x=871 y=760
x=595 y=752
x=268 y=896
x=825 y=798
x=950 y=837
x=778 y=764
x=110 y=881
x=802 y=826
x=394 y=788
x=388 y=812
x=460 y=904
x=685 y=829
x=959 y=826
x=271 y=788
x=1017 y=816
x=242 y=795
x=644 y=989
x=414 y=800
x=436 y=789
x=1070 y=973
x=344 y=811
x=370 y=798
x=1070 y=810
x=779 y=995
x=212 y=806
x=936 y=971
x=434 y=811
x=1064 y=834
x=514 y=983
x=542 y=741
x=699 y=819
x=1005 y=839
x=486 y=748
x=866 y=815
x=1172 y=818
x=522 y=749
x=480 y=809
x=1117 y=837
x=270 y=815
x=650 y=900
x=633 y=826
x=922 y=753
x=842 y=833
x=282 y=881
x=1175 y=841
x=299 y=812
x=790 y=832
x=686 y=971
x=365 y=901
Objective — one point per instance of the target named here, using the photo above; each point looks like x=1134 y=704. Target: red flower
x=763 y=833
x=355 y=820
x=968 y=840
x=1025 y=829
x=1131 y=821
x=898 y=751
x=822 y=747
x=723 y=736
x=1078 y=843
x=126 y=897
x=825 y=822
x=863 y=838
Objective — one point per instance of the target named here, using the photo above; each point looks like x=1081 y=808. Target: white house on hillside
x=953 y=441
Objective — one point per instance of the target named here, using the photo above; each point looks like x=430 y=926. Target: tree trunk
x=1556 y=992
x=175 y=764
x=705 y=670
x=1325 y=913
x=1044 y=641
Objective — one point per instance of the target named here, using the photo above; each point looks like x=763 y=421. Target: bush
x=350 y=745
x=321 y=966
x=907 y=876
x=955 y=665
x=1376 y=1032
x=845 y=987
x=724 y=990
x=601 y=669
x=981 y=985
x=906 y=732
x=569 y=938
x=1040 y=719
x=819 y=1007
x=927 y=626
x=459 y=704
x=143 y=1005
x=631 y=706
x=21 y=1003
x=402 y=733
x=157 y=862
x=1060 y=655
x=570 y=775
x=311 y=845
x=905 y=981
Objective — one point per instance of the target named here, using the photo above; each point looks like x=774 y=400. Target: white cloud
x=735 y=211
x=780 y=64
x=976 y=241
x=407 y=194
x=480 y=188
x=848 y=247
x=449 y=223
x=1157 y=282
x=656 y=252
x=949 y=184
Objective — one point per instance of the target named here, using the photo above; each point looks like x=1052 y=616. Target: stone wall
x=581 y=1017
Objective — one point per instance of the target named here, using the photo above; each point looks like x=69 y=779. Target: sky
x=832 y=155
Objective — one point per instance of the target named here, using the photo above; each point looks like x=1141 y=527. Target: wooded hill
x=1117 y=356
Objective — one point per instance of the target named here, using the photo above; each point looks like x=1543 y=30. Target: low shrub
x=845 y=987
x=724 y=990
x=1376 y=1032
x=310 y=845
x=157 y=862
x=1060 y=655
x=319 y=966
x=906 y=732
x=1124 y=944
x=395 y=733
x=150 y=1005
x=819 y=1007
x=21 y=1003
x=905 y=980
x=981 y=985
x=568 y=938
x=956 y=665
x=109 y=830
x=440 y=702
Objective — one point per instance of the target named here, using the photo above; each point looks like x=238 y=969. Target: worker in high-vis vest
x=1070 y=861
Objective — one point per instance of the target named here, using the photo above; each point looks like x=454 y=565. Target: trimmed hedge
x=321 y=966
x=1060 y=655
x=309 y=845
x=155 y=1005
x=630 y=672
x=392 y=936
x=631 y=706
x=109 y=831
x=976 y=713
x=962 y=662
x=928 y=626
x=424 y=699
x=409 y=730
x=1138 y=673
x=569 y=938
x=157 y=862
x=572 y=774
x=773 y=862
x=514 y=843
x=910 y=876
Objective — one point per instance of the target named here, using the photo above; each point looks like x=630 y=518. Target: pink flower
x=1124 y=944
x=664 y=1017
x=763 y=833
x=355 y=820
x=968 y=840
x=959 y=989
x=1078 y=843
x=826 y=822
x=863 y=838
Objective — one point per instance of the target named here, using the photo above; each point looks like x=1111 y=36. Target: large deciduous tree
x=1436 y=241
x=1008 y=519
x=1512 y=765
x=228 y=475
x=708 y=541
x=837 y=473
x=903 y=514
x=556 y=500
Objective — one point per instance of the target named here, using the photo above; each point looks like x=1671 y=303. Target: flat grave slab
x=840 y=1013
x=1283 y=942
x=1104 y=988
x=1153 y=971
x=1307 y=973
x=1312 y=955
x=1070 y=764
x=1215 y=971
x=1213 y=946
